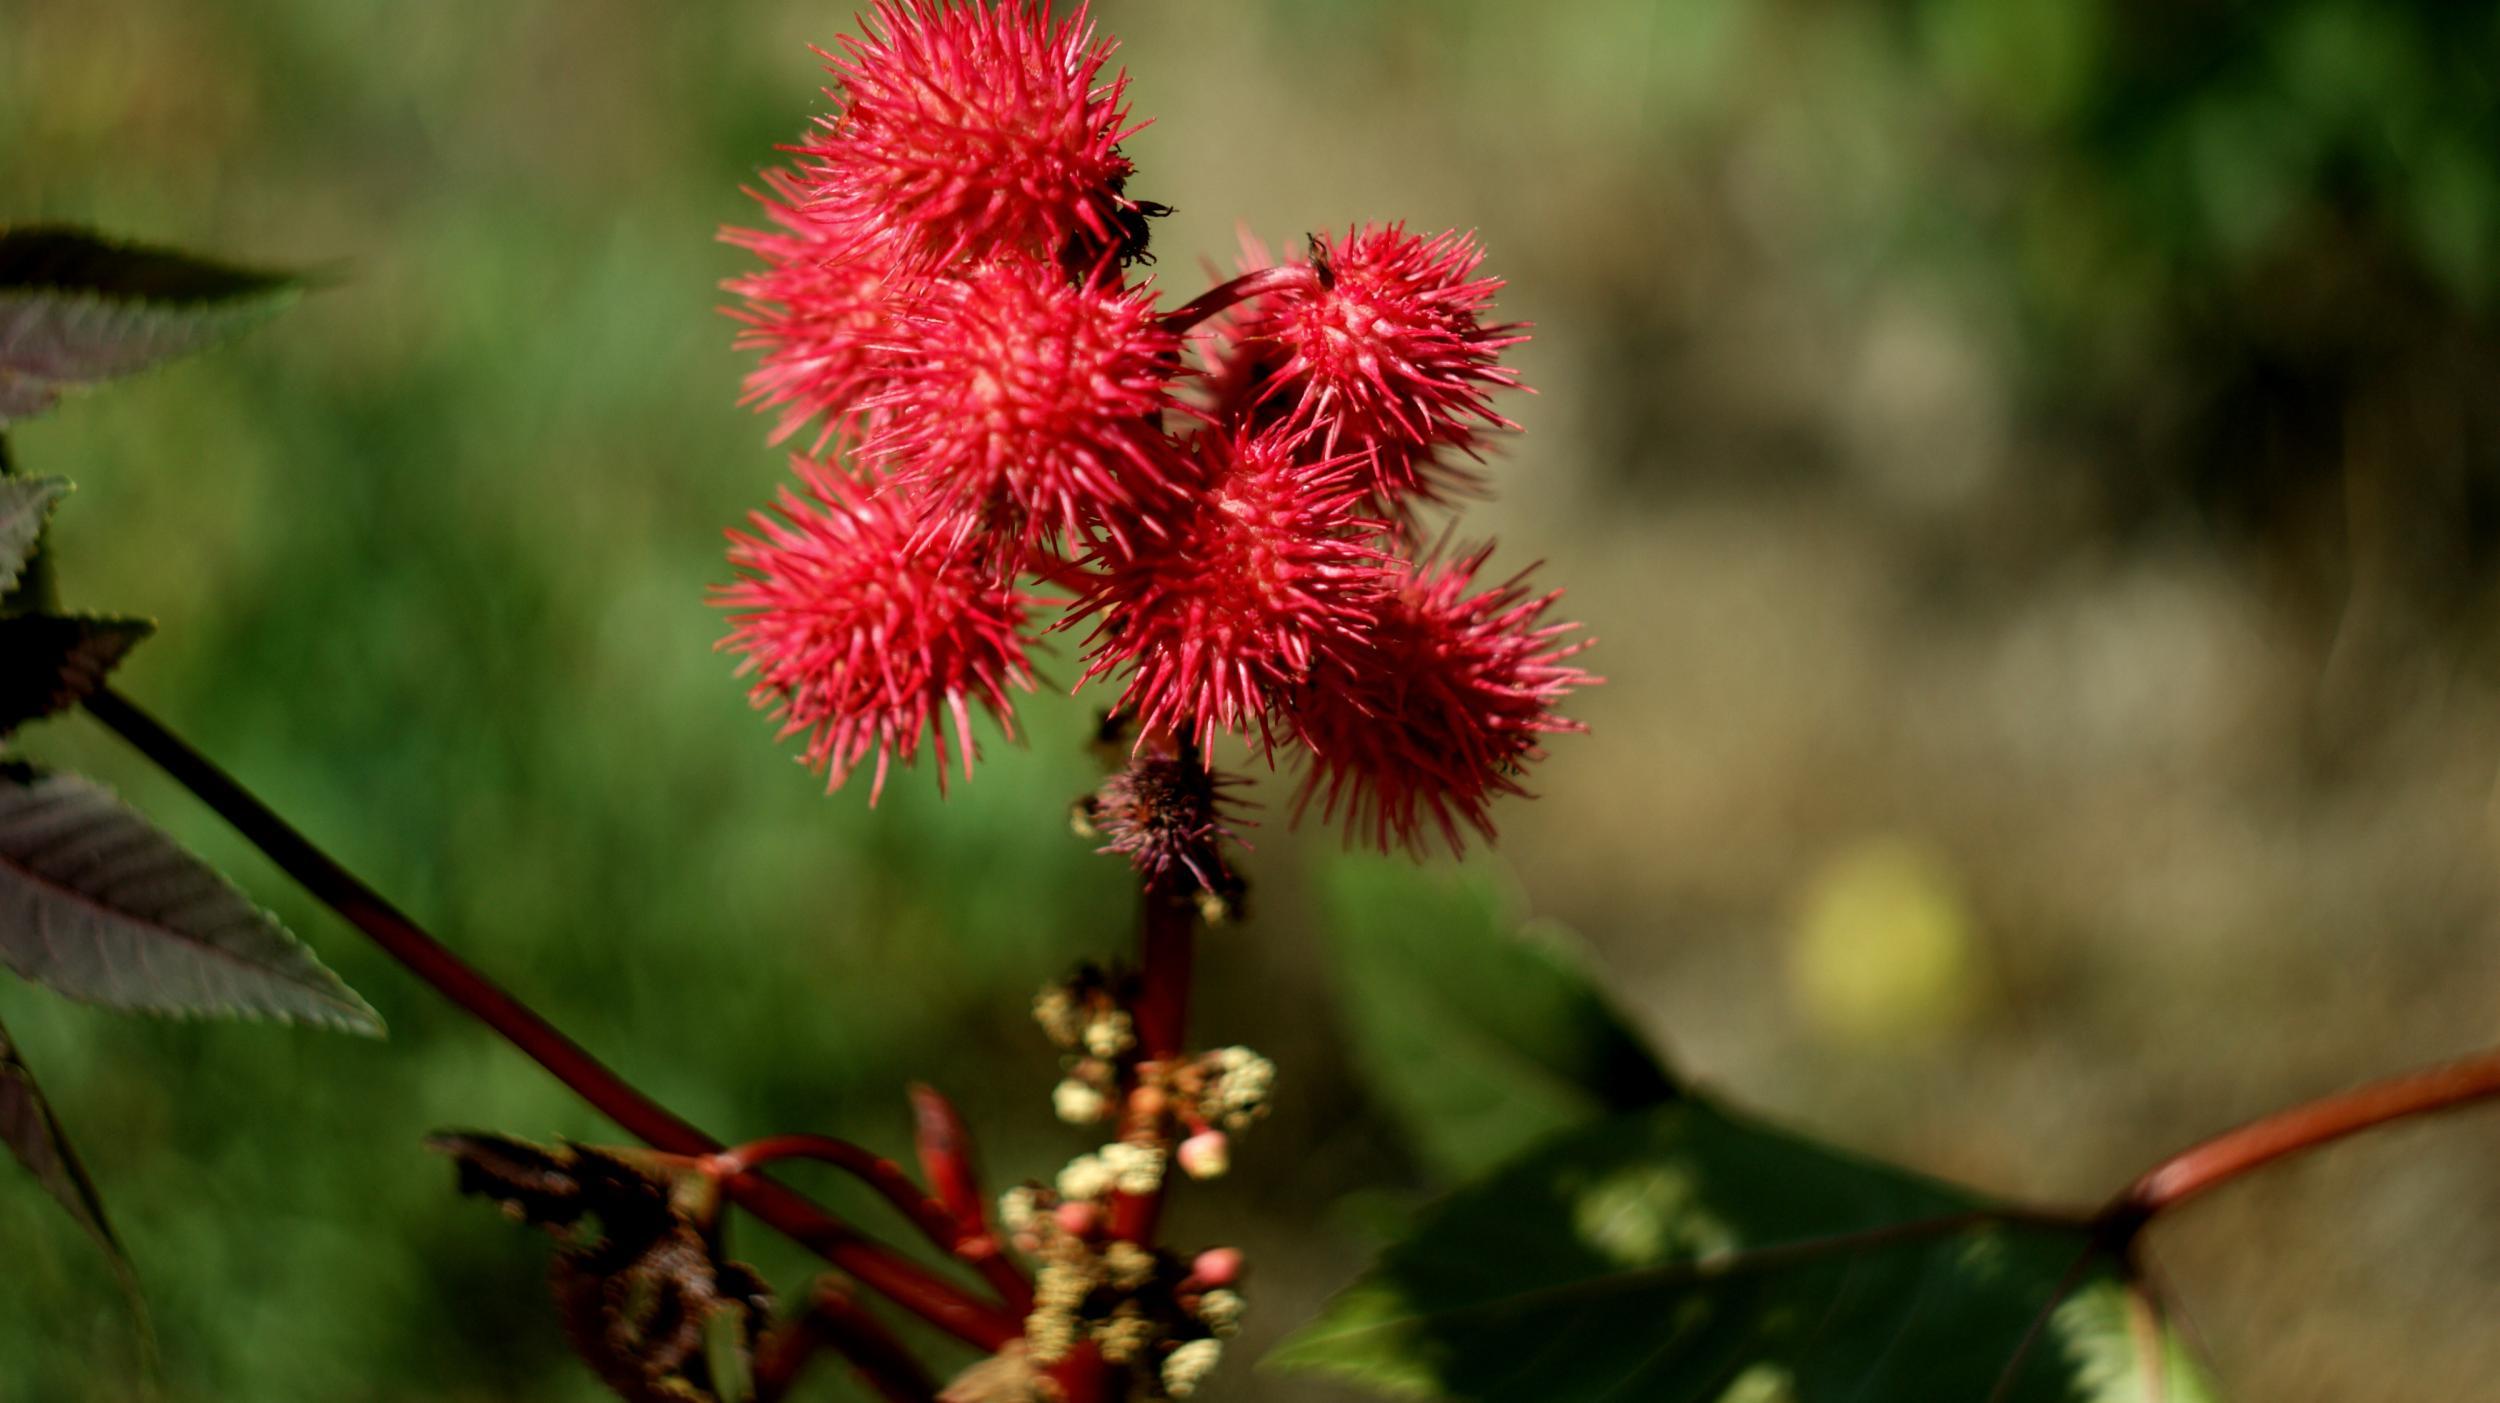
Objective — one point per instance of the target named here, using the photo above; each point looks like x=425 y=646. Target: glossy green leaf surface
x=1687 y=1254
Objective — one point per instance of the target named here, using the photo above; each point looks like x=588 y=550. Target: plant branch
x=1166 y=954
x=1159 y=1018
x=2212 y=1163
x=832 y=1320
x=932 y=1218
x=916 y=1289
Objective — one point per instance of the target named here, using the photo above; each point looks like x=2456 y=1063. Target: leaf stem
x=2212 y=1163
x=906 y=1282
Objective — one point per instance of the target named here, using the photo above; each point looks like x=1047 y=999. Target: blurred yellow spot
x=1763 y=1383
x=1883 y=950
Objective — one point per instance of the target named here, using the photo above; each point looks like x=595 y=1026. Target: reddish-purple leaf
x=76 y=309
x=25 y=504
x=34 y=1135
x=97 y=904
x=51 y=662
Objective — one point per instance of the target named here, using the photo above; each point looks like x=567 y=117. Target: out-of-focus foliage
x=1619 y=1237
x=76 y=309
x=1481 y=1037
x=1687 y=1255
x=2054 y=432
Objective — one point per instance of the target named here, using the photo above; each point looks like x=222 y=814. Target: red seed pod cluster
x=1227 y=493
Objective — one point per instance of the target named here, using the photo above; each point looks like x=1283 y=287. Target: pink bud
x=1217 y=1266
x=1206 y=1155
x=1078 y=1219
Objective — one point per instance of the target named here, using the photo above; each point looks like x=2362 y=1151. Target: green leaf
x=25 y=505
x=77 y=309
x=97 y=904
x=1482 y=1036
x=49 y=663
x=727 y=1355
x=1686 y=1254
x=34 y=1135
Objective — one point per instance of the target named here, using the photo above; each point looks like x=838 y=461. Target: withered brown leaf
x=638 y=1274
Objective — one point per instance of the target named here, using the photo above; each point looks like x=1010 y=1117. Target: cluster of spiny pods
x=1227 y=499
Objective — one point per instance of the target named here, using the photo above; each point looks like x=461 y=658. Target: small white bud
x=1134 y=1169
x=1055 y=1009
x=1206 y=1155
x=1085 y=1177
x=1015 y=1208
x=1188 y=1366
x=1109 y=1034
x=1221 y=1312
x=1078 y=1103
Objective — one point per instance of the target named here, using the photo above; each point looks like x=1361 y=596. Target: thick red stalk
x=1167 y=953
x=909 y=1285
x=1167 y=943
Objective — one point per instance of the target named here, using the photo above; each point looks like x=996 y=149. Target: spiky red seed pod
x=1026 y=403
x=1264 y=566
x=861 y=637
x=1439 y=711
x=816 y=312
x=1387 y=351
x=976 y=129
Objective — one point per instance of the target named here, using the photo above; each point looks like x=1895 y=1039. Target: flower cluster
x=1148 y=1313
x=1224 y=498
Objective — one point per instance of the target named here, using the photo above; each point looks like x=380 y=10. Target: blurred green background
x=2034 y=466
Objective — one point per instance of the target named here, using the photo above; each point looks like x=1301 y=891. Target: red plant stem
x=1167 y=943
x=1241 y=289
x=869 y=1167
x=833 y=1320
x=2227 y=1156
x=1167 y=952
x=909 y=1285
x=946 y=1158
x=932 y=1218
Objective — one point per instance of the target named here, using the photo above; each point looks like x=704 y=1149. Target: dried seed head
x=1171 y=819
